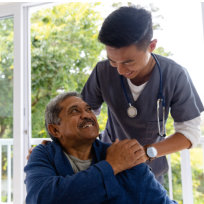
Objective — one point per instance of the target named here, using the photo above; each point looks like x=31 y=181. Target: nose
x=85 y=114
x=121 y=69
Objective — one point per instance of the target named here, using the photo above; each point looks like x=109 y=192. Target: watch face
x=151 y=152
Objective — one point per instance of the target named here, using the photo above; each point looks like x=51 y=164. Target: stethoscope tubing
x=160 y=98
x=160 y=95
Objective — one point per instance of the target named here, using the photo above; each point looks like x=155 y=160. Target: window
x=6 y=108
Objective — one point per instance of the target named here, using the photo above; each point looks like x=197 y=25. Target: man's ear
x=152 y=45
x=54 y=130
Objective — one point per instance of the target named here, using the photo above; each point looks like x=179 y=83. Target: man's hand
x=44 y=142
x=125 y=154
x=29 y=153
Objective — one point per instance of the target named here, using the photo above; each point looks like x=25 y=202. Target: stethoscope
x=132 y=111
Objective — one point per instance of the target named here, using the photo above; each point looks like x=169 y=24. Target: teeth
x=87 y=125
x=128 y=73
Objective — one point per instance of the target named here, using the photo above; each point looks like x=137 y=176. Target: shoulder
x=104 y=67
x=138 y=174
x=140 y=170
x=102 y=72
x=44 y=151
x=167 y=63
x=172 y=72
x=142 y=176
x=103 y=63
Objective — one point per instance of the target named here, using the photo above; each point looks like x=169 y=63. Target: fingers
x=136 y=147
x=116 y=141
x=128 y=145
x=127 y=142
x=140 y=156
x=30 y=150
x=140 y=161
x=136 y=152
x=44 y=142
x=29 y=153
x=125 y=154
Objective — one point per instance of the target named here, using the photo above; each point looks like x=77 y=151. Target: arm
x=44 y=185
x=187 y=135
x=185 y=105
x=173 y=143
x=190 y=129
x=91 y=92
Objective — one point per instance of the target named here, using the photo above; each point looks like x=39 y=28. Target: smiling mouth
x=87 y=124
x=128 y=74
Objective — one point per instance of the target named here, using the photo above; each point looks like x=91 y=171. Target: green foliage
x=64 y=51
x=197 y=164
x=161 y=51
x=6 y=77
x=102 y=118
x=176 y=177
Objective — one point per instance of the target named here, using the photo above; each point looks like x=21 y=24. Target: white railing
x=6 y=148
x=6 y=184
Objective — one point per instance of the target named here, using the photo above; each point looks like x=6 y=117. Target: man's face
x=129 y=61
x=77 y=122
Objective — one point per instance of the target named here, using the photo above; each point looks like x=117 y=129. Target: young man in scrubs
x=129 y=81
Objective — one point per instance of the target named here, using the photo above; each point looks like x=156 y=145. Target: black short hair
x=126 y=26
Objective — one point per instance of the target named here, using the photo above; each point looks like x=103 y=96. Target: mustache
x=87 y=120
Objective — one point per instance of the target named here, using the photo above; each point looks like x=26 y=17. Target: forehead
x=72 y=101
x=122 y=53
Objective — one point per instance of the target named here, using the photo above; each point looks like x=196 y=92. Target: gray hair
x=53 y=110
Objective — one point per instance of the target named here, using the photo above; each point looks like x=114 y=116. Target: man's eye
x=126 y=63
x=88 y=109
x=129 y=63
x=113 y=64
x=74 y=111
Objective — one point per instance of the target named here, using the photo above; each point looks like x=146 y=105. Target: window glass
x=6 y=108
x=64 y=49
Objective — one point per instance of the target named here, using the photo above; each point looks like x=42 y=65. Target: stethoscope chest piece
x=131 y=111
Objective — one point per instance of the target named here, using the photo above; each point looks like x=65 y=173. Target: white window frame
x=19 y=138
x=21 y=92
x=202 y=7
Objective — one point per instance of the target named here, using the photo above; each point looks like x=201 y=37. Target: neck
x=145 y=75
x=80 y=151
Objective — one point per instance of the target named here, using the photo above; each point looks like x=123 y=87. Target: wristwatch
x=151 y=153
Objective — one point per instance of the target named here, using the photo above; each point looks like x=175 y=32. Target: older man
x=77 y=168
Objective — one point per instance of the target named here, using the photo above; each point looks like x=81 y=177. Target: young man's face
x=78 y=123
x=130 y=61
